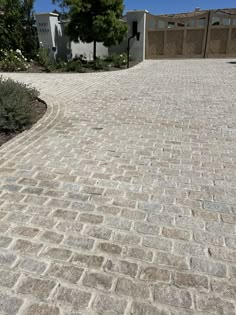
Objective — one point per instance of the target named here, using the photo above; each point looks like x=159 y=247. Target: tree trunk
x=94 y=50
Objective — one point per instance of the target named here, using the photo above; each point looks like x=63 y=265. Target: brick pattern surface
x=121 y=200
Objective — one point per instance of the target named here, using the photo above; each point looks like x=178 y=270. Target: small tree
x=96 y=21
x=62 y=5
x=17 y=30
x=30 y=42
x=10 y=25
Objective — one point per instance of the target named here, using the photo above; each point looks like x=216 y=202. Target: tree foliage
x=30 y=43
x=17 y=30
x=62 y=4
x=10 y=25
x=96 y=21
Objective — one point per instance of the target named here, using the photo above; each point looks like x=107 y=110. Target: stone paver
x=121 y=200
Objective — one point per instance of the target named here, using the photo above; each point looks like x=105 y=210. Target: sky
x=155 y=6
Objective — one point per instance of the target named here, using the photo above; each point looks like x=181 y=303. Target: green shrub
x=13 y=61
x=117 y=60
x=16 y=110
x=74 y=66
x=43 y=58
x=99 y=64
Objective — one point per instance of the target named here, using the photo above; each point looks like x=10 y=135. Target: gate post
x=208 y=33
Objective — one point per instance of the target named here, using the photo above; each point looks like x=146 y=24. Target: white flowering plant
x=11 y=60
x=117 y=60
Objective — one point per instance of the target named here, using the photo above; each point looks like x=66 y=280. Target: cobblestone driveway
x=122 y=199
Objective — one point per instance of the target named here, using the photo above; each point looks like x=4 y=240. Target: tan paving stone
x=121 y=199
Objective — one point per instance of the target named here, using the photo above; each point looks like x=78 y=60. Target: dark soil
x=35 y=69
x=39 y=108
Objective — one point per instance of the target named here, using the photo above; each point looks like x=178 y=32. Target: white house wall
x=44 y=30
x=52 y=36
x=85 y=49
x=137 y=48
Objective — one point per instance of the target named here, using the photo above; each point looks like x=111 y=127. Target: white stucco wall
x=137 y=48
x=44 y=29
x=87 y=50
x=51 y=34
x=55 y=29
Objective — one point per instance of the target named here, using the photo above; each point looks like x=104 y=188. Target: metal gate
x=191 y=35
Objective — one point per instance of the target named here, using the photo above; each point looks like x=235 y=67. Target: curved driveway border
x=53 y=114
x=121 y=199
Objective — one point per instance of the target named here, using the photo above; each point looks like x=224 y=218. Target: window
x=180 y=24
x=152 y=24
x=171 y=24
x=215 y=20
x=234 y=22
x=161 y=24
x=226 y=22
x=202 y=22
x=191 y=23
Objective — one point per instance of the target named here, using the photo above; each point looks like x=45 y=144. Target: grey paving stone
x=25 y=231
x=56 y=253
x=171 y=295
x=208 y=267
x=68 y=226
x=90 y=261
x=147 y=309
x=215 y=304
x=123 y=267
x=73 y=296
x=41 y=309
x=191 y=280
x=50 y=236
x=99 y=232
x=139 y=253
x=26 y=247
x=5 y=241
x=79 y=242
x=110 y=248
x=105 y=304
x=98 y=281
x=152 y=213
x=154 y=274
x=9 y=304
x=7 y=259
x=36 y=287
x=67 y=273
x=8 y=279
x=136 y=289
x=31 y=265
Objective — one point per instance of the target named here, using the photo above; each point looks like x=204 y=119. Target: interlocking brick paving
x=121 y=200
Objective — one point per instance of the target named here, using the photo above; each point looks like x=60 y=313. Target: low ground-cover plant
x=13 y=61
x=80 y=64
x=73 y=66
x=43 y=58
x=117 y=60
x=16 y=110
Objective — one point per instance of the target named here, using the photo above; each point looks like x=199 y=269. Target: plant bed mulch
x=39 y=111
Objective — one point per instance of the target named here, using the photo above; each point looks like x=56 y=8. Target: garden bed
x=35 y=68
x=15 y=61
x=20 y=108
x=40 y=109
